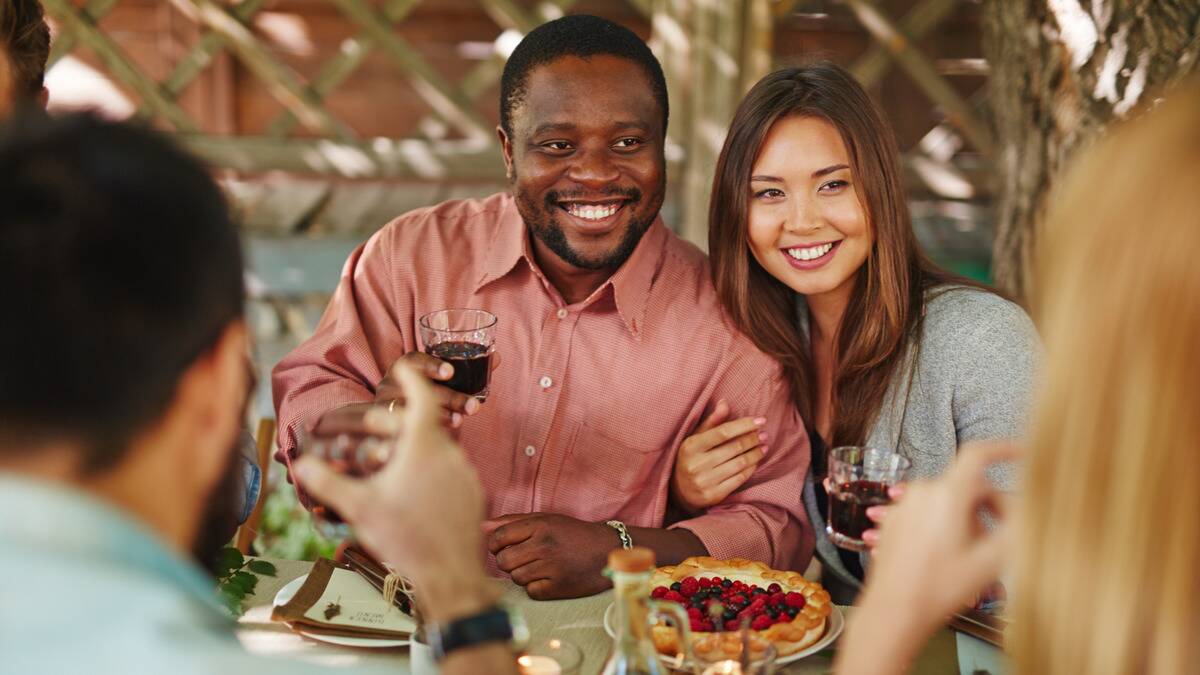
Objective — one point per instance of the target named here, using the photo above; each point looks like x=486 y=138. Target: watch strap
x=490 y=625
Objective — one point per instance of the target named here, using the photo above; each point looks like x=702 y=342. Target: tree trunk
x=1061 y=71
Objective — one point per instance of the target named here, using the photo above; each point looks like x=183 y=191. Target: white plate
x=833 y=628
x=289 y=591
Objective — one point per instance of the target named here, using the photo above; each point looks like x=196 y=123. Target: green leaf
x=231 y=602
x=233 y=590
x=245 y=581
x=228 y=559
x=262 y=567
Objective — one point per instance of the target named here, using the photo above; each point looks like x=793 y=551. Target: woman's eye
x=769 y=193
x=834 y=186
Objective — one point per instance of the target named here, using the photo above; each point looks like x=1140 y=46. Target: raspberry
x=794 y=599
x=694 y=614
x=759 y=604
x=774 y=588
x=674 y=596
x=783 y=618
x=737 y=599
x=761 y=622
x=659 y=592
x=707 y=626
x=776 y=599
x=689 y=586
x=696 y=625
x=732 y=624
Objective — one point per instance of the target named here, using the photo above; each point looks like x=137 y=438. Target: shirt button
x=562 y=313
x=545 y=382
x=529 y=451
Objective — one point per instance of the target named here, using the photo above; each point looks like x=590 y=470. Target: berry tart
x=783 y=608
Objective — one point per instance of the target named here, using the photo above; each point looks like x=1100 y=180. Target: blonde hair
x=1108 y=556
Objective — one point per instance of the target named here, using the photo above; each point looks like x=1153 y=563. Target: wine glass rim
x=492 y=319
x=904 y=461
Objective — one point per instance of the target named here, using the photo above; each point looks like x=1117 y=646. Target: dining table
x=578 y=621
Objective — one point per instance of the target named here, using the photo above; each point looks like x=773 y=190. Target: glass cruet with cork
x=633 y=651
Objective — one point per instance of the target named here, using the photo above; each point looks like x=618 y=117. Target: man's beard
x=220 y=519
x=540 y=220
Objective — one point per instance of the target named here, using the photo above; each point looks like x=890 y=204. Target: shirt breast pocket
x=613 y=478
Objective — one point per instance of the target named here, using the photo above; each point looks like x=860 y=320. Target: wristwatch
x=490 y=625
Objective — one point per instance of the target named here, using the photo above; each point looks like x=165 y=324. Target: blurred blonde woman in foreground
x=1105 y=536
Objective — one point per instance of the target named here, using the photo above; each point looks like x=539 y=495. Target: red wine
x=848 y=506
x=472 y=365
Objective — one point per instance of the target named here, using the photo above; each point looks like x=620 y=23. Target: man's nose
x=593 y=169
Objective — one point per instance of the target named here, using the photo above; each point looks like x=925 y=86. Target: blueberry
x=793 y=611
x=729 y=614
x=676 y=586
x=726 y=583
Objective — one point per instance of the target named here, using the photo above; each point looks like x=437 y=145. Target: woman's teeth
x=589 y=212
x=811 y=253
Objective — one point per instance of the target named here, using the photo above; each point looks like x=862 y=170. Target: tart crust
x=788 y=638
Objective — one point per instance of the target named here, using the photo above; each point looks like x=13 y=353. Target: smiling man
x=613 y=344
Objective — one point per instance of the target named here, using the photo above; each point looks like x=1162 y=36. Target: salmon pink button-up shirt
x=591 y=400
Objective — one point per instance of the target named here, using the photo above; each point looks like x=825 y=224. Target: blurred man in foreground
x=121 y=381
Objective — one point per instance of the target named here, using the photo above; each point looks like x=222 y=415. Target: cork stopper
x=636 y=559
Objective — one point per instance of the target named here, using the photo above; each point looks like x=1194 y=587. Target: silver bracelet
x=622 y=533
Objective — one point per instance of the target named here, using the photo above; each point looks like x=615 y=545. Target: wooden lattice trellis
x=711 y=52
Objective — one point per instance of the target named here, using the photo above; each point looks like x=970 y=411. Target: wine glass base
x=842 y=541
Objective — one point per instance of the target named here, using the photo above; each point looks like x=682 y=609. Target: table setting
x=557 y=627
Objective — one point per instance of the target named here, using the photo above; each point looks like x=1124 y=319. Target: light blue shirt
x=84 y=588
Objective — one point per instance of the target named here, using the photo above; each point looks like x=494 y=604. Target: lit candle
x=724 y=668
x=531 y=664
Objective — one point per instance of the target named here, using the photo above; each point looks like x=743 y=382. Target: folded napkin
x=375 y=574
x=335 y=600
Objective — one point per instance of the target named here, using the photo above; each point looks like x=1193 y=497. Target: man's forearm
x=670 y=547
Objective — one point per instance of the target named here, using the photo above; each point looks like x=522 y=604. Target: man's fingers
x=512 y=557
x=535 y=570
x=421 y=408
x=719 y=414
x=509 y=534
x=338 y=492
x=434 y=369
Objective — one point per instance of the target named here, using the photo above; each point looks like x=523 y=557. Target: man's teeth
x=810 y=253
x=589 y=212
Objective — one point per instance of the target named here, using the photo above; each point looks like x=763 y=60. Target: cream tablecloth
x=578 y=621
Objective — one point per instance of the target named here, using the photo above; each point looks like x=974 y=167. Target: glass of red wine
x=352 y=454
x=464 y=338
x=859 y=479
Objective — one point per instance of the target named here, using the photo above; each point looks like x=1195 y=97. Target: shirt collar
x=67 y=522
x=630 y=284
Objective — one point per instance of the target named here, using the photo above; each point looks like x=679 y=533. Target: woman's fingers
x=750 y=441
x=719 y=414
x=706 y=441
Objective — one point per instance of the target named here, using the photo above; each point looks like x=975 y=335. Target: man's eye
x=557 y=145
x=627 y=143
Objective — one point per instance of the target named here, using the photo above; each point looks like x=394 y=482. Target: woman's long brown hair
x=887 y=302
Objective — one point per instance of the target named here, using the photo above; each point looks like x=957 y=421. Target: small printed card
x=335 y=600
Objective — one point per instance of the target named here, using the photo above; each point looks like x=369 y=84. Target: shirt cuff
x=729 y=535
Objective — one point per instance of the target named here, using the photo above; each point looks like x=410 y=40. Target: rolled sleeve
x=764 y=519
x=356 y=340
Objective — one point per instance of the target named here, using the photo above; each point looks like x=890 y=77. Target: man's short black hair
x=580 y=35
x=122 y=266
x=25 y=38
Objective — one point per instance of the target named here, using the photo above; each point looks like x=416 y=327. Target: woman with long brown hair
x=1103 y=539
x=814 y=258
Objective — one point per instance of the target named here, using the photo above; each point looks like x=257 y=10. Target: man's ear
x=506 y=150
x=212 y=392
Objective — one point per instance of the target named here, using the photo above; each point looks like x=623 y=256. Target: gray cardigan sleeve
x=989 y=349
